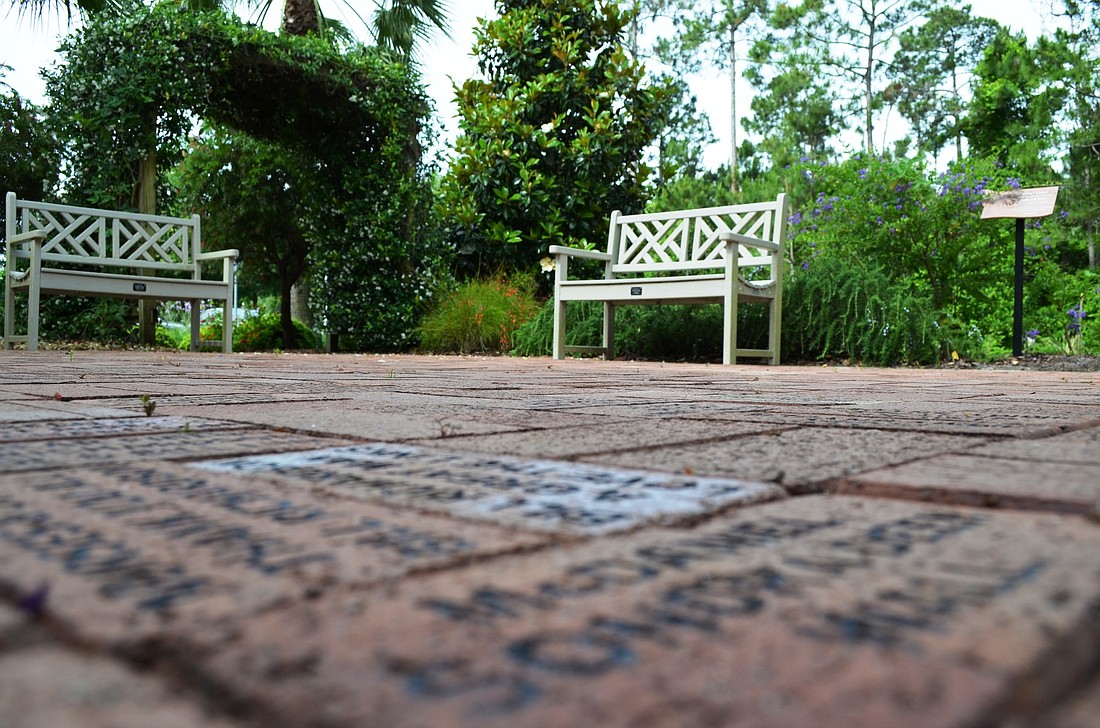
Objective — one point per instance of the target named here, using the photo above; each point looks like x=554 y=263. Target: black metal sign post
x=1020 y=204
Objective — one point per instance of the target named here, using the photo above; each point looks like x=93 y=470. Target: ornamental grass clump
x=836 y=309
x=480 y=316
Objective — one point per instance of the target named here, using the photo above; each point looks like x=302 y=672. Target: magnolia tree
x=553 y=134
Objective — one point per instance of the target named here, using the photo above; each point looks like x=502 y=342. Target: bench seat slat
x=113 y=285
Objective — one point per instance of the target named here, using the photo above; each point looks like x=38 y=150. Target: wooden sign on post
x=1020 y=204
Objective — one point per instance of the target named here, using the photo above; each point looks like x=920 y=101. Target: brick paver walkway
x=322 y=541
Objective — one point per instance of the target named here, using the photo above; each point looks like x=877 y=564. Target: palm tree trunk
x=301 y=17
x=145 y=199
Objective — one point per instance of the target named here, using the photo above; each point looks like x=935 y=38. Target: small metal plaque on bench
x=635 y=290
x=139 y=287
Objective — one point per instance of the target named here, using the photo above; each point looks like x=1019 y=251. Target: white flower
x=547 y=263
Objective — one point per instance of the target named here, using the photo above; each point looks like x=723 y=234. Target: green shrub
x=1062 y=310
x=479 y=316
x=834 y=308
x=667 y=333
x=258 y=333
x=173 y=337
x=265 y=333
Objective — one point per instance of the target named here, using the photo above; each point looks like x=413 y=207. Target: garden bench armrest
x=217 y=254
x=27 y=237
x=749 y=241
x=579 y=252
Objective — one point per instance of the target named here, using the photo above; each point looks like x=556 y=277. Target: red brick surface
x=49 y=687
x=130 y=551
x=815 y=611
x=576 y=543
x=1049 y=484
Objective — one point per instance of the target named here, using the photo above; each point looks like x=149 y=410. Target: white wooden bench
x=160 y=258
x=727 y=255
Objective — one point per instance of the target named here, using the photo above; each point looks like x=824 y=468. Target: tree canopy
x=136 y=82
x=553 y=138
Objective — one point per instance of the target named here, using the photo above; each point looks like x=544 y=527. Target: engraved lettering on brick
x=490 y=692
x=707 y=602
x=543 y=495
x=124 y=571
x=580 y=654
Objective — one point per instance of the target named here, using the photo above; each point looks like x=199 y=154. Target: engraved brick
x=809 y=612
x=537 y=494
x=22 y=456
x=132 y=550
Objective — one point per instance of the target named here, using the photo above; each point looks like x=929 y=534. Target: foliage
x=931 y=71
x=552 y=138
x=683 y=133
x=708 y=189
x=843 y=46
x=922 y=228
x=1017 y=99
x=479 y=316
x=794 y=115
x=261 y=332
x=77 y=318
x=710 y=30
x=265 y=333
x=1061 y=310
x=354 y=118
x=844 y=309
x=28 y=153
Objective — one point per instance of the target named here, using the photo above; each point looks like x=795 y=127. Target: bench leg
x=9 y=306
x=227 y=327
x=34 y=296
x=775 y=320
x=558 y=344
x=729 y=328
x=196 y=328
x=608 y=331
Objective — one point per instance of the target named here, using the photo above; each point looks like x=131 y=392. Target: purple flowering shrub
x=921 y=227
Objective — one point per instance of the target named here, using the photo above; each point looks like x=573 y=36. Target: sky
x=28 y=46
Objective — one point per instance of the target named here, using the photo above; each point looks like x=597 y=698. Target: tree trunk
x=299 y=301
x=1092 y=245
x=286 y=322
x=734 y=184
x=145 y=198
x=868 y=90
x=301 y=17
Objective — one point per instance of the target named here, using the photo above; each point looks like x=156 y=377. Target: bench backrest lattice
x=666 y=242
x=85 y=236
